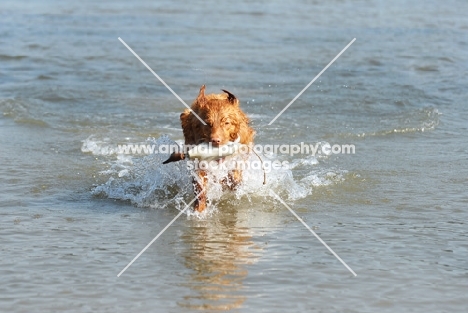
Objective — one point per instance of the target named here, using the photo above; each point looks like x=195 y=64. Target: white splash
x=146 y=182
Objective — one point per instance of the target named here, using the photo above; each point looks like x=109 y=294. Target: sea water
x=74 y=212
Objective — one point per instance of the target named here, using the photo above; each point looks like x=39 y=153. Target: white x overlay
x=312 y=81
x=313 y=233
x=161 y=80
x=272 y=192
x=160 y=233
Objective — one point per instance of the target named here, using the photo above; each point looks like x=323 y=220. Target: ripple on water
x=420 y=120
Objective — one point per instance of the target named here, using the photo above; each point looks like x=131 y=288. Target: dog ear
x=187 y=127
x=201 y=96
x=231 y=97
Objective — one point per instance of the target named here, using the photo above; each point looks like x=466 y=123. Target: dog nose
x=215 y=140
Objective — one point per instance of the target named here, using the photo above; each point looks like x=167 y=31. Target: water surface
x=74 y=213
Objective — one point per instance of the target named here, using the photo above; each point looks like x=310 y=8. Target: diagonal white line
x=313 y=233
x=162 y=81
x=160 y=233
x=313 y=80
x=201 y=120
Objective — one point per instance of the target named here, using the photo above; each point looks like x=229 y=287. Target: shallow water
x=74 y=213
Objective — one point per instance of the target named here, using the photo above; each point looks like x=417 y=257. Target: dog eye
x=227 y=123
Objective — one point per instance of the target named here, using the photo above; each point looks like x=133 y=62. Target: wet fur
x=225 y=121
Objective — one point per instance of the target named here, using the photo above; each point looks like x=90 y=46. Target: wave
x=5 y=57
x=422 y=120
x=20 y=112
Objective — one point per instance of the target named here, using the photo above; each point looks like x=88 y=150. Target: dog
x=225 y=121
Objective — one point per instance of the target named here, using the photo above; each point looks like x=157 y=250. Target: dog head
x=224 y=119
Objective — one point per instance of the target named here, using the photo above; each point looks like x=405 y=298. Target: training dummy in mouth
x=206 y=152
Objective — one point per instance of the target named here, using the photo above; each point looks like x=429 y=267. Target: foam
x=98 y=146
x=146 y=182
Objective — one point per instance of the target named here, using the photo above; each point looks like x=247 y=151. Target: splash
x=143 y=181
x=146 y=182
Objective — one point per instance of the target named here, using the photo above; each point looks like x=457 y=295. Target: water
x=74 y=213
